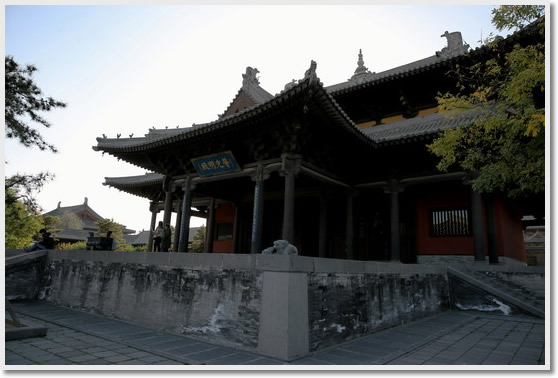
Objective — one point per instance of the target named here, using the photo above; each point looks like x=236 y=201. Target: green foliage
x=107 y=225
x=51 y=223
x=123 y=247
x=21 y=188
x=77 y=246
x=70 y=221
x=198 y=241
x=504 y=148
x=24 y=99
x=21 y=225
x=515 y=16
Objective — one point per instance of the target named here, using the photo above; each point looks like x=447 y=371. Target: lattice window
x=450 y=222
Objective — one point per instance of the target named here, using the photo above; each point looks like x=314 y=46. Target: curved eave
x=339 y=117
x=145 y=186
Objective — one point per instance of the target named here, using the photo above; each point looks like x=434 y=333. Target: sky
x=125 y=69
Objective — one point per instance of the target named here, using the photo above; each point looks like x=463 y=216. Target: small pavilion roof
x=83 y=208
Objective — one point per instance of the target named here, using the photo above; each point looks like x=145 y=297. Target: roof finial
x=361 y=69
x=311 y=72
x=85 y=201
x=250 y=77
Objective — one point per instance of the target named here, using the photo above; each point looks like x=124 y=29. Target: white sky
x=125 y=69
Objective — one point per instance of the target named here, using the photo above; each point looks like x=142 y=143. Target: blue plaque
x=216 y=164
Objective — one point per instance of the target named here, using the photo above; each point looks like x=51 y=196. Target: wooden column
x=257 y=218
x=185 y=222
x=238 y=218
x=290 y=168
x=177 y=224
x=349 y=227
x=209 y=227
x=154 y=210
x=478 y=226
x=322 y=239
x=492 y=240
x=393 y=188
x=168 y=187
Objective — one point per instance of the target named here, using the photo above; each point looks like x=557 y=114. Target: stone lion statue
x=281 y=247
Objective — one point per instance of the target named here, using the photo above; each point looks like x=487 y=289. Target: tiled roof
x=415 y=128
x=309 y=86
x=76 y=235
x=431 y=62
x=258 y=94
x=88 y=223
x=138 y=239
x=369 y=79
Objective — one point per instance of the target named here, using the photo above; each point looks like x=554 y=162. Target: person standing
x=158 y=237
x=167 y=237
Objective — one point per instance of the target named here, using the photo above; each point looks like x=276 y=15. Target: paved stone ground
x=449 y=338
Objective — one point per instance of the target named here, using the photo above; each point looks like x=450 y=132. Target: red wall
x=509 y=230
x=225 y=213
x=427 y=245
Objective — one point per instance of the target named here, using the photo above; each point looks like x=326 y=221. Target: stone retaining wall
x=281 y=306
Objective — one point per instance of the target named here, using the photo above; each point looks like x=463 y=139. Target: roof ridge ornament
x=311 y=72
x=456 y=45
x=250 y=78
x=361 y=68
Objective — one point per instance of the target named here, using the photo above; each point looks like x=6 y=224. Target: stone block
x=412 y=269
x=322 y=265
x=239 y=261
x=371 y=267
x=284 y=315
x=80 y=255
x=301 y=264
x=157 y=258
x=58 y=254
x=179 y=259
x=101 y=255
x=114 y=257
x=134 y=257
x=354 y=266
x=389 y=267
x=207 y=260
x=280 y=263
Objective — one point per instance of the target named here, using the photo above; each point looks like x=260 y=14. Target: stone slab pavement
x=449 y=338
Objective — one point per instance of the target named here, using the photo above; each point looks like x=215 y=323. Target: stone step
x=499 y=289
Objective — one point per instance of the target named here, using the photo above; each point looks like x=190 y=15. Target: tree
x=24 y=99
x=21 y=225
x=107 y=225
x=504 y=148
x=70 y=221
x=21 y=188
x=198 y=241
x=23 y=103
